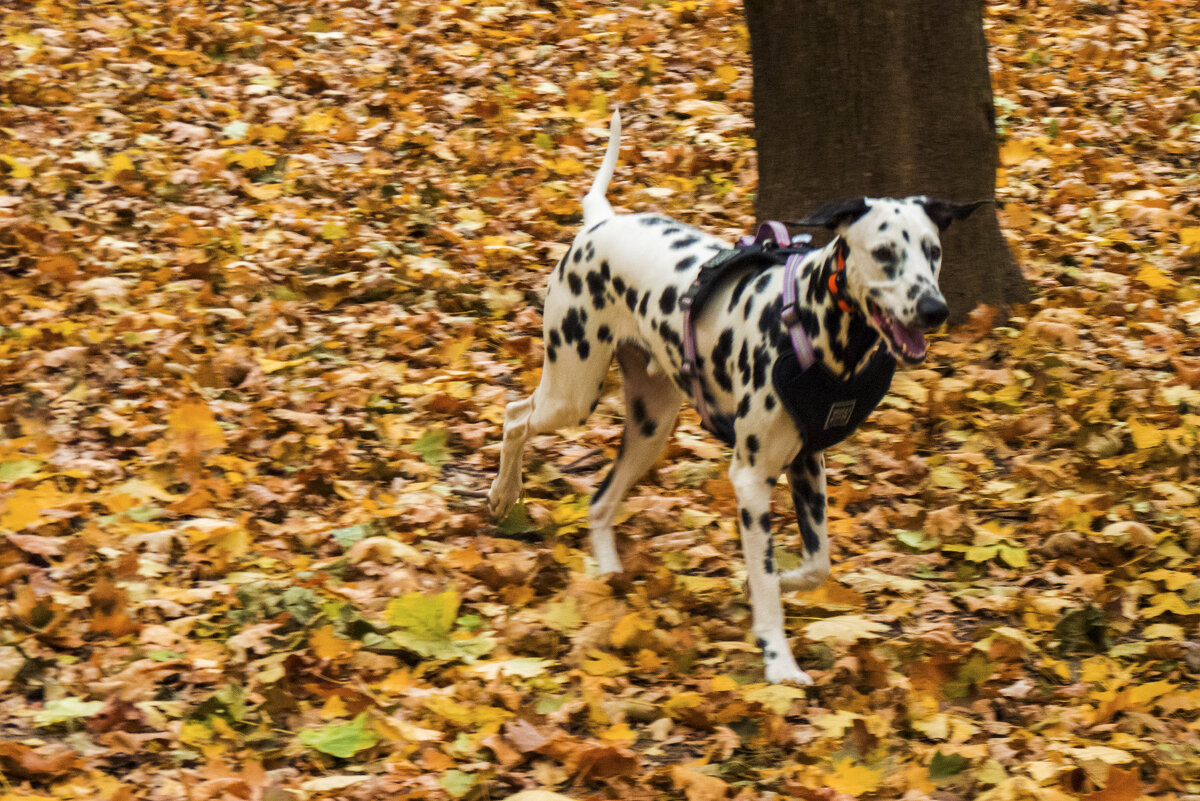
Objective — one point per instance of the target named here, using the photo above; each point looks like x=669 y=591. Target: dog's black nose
x=931 y=311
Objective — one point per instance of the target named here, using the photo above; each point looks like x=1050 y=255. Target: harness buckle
x=687 y=368
x=788 y=314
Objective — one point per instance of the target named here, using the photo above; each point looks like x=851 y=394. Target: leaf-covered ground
x=270 y=272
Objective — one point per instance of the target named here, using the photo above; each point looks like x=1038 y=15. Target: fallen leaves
x=270 y=279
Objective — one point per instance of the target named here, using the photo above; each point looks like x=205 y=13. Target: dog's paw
x=785 y=669
x=501 y=498
x=808 y=577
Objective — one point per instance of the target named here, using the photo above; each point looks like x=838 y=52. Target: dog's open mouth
x=905 y=341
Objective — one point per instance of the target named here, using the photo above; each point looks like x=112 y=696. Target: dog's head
x=893 y=258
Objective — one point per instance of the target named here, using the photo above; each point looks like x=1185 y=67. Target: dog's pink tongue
x=910 y=339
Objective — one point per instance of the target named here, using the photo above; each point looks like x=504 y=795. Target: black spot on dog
x=772 y=481
x=597 y=225
x=752 y=444
x=572 y=325
x=761 y=643
x=578 y=256
x=720 y=357
x=674 y=229
x=666 y=301
x=686 y=242
x=555 y=339
x=631 y=298
x=648 y=428
x=596 y=285
x=552 y=354
x=638 y=409
x=686 y=263
x=575 y=283
x=816 y=508
x=604 y=334
x=618 y=284
x=584 y=349
x=743 y=363
x=760 y=285
x=764 y=520
x=737 y=290
x=770 y=324
x=746 y=518
x=889 y=269
x=905 y=233
x=650 y=222
x=603 y=486
x=809 y=322
x=883 y=226
x=743 y=407
x=605 y=270
x=913 y=291
x=762 y=360
x=769 y=403
x=644 y=304
x=748 y=308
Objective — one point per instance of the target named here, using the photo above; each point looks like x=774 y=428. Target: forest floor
x=270 y=273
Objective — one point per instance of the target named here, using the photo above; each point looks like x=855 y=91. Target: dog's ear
x=834 y=215
x=944 y=212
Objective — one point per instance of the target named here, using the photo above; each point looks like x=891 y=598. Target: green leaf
x=1014 y=556
x=943 y=766
x=457 y=783
x=916 y=540
x=341 y=739
x=64 y=709
x=18 y=469
x=517 y=521
x=425 y=623
x=424 y=615
x=431 y=447
x=349 y=535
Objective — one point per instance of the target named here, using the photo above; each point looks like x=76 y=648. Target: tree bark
x=883 y=98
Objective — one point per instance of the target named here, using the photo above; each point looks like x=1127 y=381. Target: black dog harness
x=827 y=409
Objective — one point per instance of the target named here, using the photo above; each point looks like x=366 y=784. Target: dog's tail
x=595 y=205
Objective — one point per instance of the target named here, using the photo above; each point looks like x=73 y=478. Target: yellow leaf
x=618 y=733
x=1189 y=236
x=116 y=165
x=253 y=159
x=1155 y=278
x=335 y=707
x=602 y=664
x=25 y=506
x=723 y=684
x=628 y=630
x=16 y=168
x=854 y=779
x=1144 y=434
x=844 y=628
x=1014 y=151
x=193 y=425
x=263 y=191
x=327 y=645
x=333 y=230
x=727 y=73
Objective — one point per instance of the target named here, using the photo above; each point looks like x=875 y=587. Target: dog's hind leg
x=572 y=379
x=652 y=403
x=806 y=476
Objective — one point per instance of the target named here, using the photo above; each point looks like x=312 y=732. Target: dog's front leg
x=753 y=487
x=806 y=476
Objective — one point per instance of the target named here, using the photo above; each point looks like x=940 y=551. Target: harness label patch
x=839 y=414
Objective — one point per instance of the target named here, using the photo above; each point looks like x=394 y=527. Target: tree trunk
x=884 y=99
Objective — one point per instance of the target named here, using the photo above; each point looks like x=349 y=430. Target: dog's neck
x=847 y=340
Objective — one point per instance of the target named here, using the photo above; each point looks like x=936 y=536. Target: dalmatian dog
x=617 y=293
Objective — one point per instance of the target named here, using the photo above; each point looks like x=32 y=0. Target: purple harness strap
x=770 y=233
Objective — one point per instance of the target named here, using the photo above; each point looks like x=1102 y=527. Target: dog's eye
x=883 y=254
x=935 y=253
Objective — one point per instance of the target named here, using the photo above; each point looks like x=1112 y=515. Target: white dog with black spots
x=616 y=292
